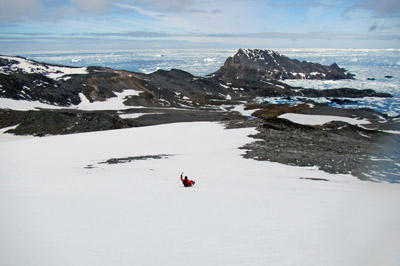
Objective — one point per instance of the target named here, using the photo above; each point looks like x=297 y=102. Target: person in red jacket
x=187 y=182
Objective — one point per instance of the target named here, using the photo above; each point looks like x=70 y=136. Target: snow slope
x=60 y=206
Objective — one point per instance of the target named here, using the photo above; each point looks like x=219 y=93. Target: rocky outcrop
x=335 y=147
x=66 y=121
x=55 y=122
x=257 y=64
x=343 y=93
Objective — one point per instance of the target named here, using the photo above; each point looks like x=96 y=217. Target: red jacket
x=187 y=182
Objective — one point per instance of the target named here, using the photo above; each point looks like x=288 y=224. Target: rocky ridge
x=24 y=79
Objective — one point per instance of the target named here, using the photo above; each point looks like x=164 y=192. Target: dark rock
x=58 y=122
x=342 y=101
x=335 y=148
x=343 y=93
x=55 y=122
x=37 y=87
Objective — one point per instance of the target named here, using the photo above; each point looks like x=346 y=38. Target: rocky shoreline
x=369 y=153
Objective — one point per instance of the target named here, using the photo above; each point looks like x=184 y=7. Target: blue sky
x=34 y=25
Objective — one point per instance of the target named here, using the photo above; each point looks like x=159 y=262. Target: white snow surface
x=24 y=105
x=54 y=211
x=136 y=115
x=305 y=119
x=241 y=108
x=114 y=103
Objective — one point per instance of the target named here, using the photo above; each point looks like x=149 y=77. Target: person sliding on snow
x=187 y=182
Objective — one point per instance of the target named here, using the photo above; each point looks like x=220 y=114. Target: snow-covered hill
x=62 y=205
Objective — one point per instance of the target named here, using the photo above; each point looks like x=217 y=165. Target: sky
x=74 y=25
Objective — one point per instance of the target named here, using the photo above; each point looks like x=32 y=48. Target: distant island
x=256 y=64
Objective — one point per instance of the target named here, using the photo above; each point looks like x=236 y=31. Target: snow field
x=24 y=105
x=114 y=103
x=55 y=211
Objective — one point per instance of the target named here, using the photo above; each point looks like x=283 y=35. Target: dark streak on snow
x=136 y=158
x=314 y=179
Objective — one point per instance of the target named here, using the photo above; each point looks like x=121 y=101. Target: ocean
x=374 y=69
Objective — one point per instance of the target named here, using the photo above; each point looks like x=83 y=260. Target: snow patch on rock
x=17 y=64
x=313 y=120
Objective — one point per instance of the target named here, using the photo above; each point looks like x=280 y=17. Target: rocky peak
x=254 y=55
x=258 y=64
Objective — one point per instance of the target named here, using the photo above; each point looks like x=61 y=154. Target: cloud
x=178 y=6
x=198 y=16
x=373 y=28
x=306 y=35
x=142 y=11
x=203 y=20
x=166 y=6
x=317 y=35
x=28 y=34
x=131 y=34
x=381 y=8
x=11 y=10
x=93 y=6
x=200 y=37
x=50 y=10
x=384 y=27
x=282 y=4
